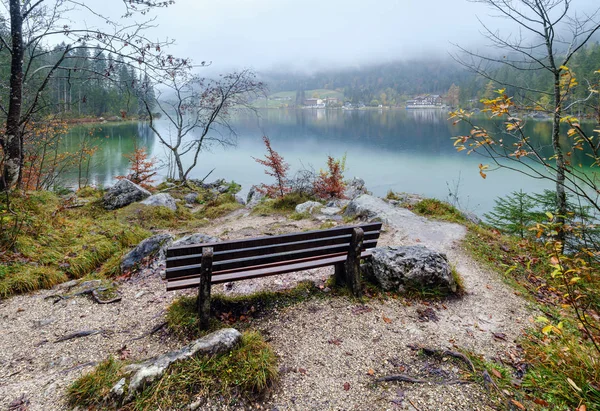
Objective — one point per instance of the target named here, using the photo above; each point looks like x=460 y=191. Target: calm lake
x=400 y=150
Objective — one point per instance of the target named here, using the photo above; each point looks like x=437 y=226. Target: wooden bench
x=200 y=265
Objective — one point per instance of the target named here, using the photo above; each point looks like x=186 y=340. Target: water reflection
x=402 y=150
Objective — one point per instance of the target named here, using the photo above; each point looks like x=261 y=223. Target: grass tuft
x=430 y=207
x=244 y=374
x=91 y=389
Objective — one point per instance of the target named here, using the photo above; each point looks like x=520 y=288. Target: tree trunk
x=11 y=143
x=561 y=197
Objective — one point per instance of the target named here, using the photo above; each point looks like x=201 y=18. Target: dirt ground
x=331 y=350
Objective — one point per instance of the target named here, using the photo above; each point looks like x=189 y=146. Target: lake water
x=400 y=150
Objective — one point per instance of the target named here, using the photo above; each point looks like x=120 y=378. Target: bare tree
x=198 y=111
x=548 y=36
x=33 y=24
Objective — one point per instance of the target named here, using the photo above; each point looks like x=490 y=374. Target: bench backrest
x=263 y=252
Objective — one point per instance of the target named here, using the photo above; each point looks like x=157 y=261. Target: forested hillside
x=393 y=83
x=89 y=83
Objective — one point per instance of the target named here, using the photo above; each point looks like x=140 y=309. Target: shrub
x=276 y=167
x=330 y=184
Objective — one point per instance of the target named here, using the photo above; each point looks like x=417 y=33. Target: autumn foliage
x=330 y=184
x=43 y=160
x=275 y=167
x=142 y=169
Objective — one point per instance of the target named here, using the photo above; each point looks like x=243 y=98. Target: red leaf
x=387 y=320
x=335 y=341
x=541 y=402
x=496 y=373
x=346 y=386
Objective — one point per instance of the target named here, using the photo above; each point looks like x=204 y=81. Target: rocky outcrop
x=254 y=197
x=161 y=200
x=366 y=207
x=153 y=246
x=197 y=238
x=309 y=207
x=355 y=187
x=141 y=374
x=417 y=267
x=124 y=193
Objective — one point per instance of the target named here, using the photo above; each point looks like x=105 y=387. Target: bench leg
x=339 y=276
x=353 y=261
x=204 y=288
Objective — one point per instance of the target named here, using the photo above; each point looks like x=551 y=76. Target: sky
x=311 y=35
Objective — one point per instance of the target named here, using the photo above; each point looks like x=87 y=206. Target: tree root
x=434 y=351
x=407 y=378
x=79 y=334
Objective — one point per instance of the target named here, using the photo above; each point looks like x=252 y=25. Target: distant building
x=426 y=100
x=314 y=103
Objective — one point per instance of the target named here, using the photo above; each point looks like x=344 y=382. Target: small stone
x=191 y=198
x=161 y=200
x=309 y=207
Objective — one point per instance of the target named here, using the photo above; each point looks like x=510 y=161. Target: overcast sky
x=317 y=34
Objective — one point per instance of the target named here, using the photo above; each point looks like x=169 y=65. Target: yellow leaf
x=541 y=319
x=549 y=214
x=547 y=329
x=518 y=404
x=572 y=383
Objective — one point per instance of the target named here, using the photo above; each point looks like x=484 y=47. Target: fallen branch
x=154 y=330
x=78 y=334
x=401 y=377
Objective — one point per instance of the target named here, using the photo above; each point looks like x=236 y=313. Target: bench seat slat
x=174 y=272
x=270 y=265
x=183 y=260
x=261 y=272
x=268 y=240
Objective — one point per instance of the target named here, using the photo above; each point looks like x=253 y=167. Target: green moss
x=299 y=216
x=283 y=206
x=56 y=244
x=220 y=210
x=91 y=389
x=431 y=207
x=327 y=225
x=244 y=374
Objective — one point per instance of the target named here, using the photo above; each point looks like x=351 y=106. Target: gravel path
x=322 y=344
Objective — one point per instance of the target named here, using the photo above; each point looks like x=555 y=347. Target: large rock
x=161 y=200
x=309 y=207
x=197 y=238
x=355 y=187
x=124 y=193
x=366 y=207
x=254 y=197
x=398 y=268
x=153 y=246
x=145 y=373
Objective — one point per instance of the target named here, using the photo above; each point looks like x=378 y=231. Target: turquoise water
x=398 y=150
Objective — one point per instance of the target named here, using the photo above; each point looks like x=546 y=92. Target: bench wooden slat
x=184 y=260
x=261 y=272
x=268 y=240
x=269 y=265
x=264 y=259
